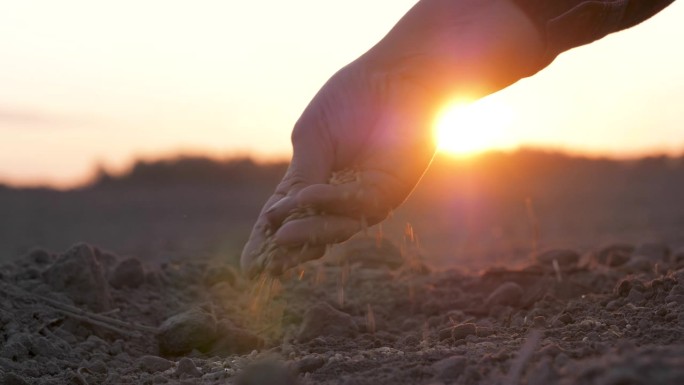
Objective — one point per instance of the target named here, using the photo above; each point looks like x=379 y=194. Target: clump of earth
x=373 y=314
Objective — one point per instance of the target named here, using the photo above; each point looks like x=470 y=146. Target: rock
x=128 y=273
x=564 y=257
x=193 y=329
x=450 y=368
x=654 y=252
x=372 y=253
x=79 y=275
x=235 y=340
x=324 y=320
x=615 y=255
x=186 y=368
x=507 y=294
x=462 y=331
x=154 y=364
x=266 y=372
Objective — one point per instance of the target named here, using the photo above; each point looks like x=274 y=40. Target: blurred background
x=159 y=128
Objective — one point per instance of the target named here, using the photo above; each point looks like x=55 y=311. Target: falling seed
x=557 y=269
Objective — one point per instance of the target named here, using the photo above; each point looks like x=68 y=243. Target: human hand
x=362 y=121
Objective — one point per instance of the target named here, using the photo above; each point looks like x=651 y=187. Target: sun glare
x=466 y=128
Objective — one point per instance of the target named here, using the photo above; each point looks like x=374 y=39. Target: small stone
x=186 y=368
x=564 y=257
x=154 y=364
x=450 y=368
x=128 y=273
x=615 y=255
x=508 y=294
x=324 y=320
x=79 y=275
x=193 y=329
x=462 y=331
x=623 y=287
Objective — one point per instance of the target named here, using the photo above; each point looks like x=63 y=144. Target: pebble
x=128 y=273
x=181 y=333
x=508 y=294
x=154 y=364
x=79 y=275
x=186 y=368
x=324 y=320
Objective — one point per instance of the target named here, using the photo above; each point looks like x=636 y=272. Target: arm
x=375 y=115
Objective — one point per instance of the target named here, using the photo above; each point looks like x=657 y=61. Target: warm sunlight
x=466 y=128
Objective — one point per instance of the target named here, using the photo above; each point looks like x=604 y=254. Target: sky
x=85 y=83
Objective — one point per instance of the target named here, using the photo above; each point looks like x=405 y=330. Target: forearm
x=470 y=48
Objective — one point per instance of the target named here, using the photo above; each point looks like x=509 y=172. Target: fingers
x=317 y=230
x=311 y=164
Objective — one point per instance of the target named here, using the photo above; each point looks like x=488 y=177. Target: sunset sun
x=466 y=128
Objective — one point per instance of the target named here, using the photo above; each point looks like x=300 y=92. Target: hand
x=368 y=122
x=376 y=116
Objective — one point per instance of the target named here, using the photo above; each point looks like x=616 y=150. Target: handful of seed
x=269 y=249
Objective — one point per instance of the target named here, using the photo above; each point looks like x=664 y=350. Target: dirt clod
x=78 y=274
x=154 y=364
x=507 y=294
x=128 y=273
x=187 y=369
x=324 y=320
x=193 y=329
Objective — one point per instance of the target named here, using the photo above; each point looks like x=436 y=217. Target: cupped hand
x=361 y=120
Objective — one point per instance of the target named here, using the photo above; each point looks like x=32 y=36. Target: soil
x=370 y=315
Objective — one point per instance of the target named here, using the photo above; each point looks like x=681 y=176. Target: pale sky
x=86 y=82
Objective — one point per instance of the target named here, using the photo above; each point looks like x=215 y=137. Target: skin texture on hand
x=376 y=115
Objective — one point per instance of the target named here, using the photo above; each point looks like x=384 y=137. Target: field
x=530 y=267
